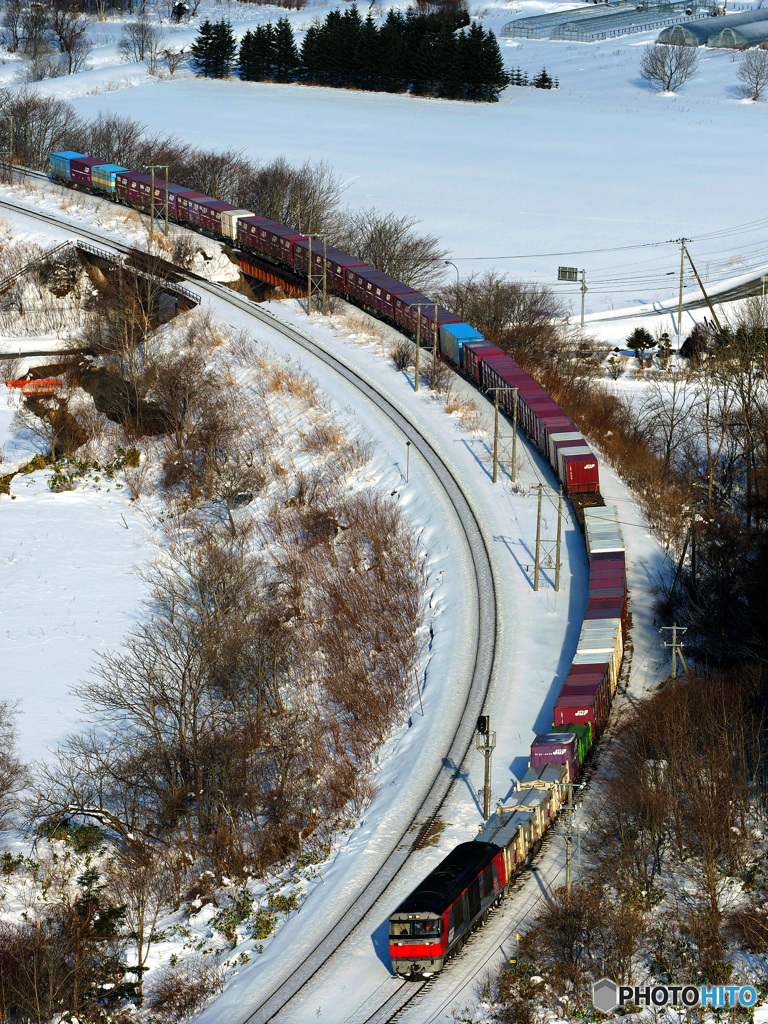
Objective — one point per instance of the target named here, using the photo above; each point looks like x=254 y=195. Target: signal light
x=482 y=725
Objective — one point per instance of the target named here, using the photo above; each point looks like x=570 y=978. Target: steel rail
x=483 y=585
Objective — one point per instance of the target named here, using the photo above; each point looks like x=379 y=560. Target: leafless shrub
x=668 y=67
x=69 y=27
x=403 y=354
x=181 y=991
x=174 y=58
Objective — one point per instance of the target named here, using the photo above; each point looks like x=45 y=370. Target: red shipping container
x=581 y=473
x=80 y=170
x=581 y=711
x=556 y=748
x=608 y=610
x=210 y=214
x=133 y=187
x=407 y=305
x=607 y=556
x=377 y=290
x=264 y=236
x=473 y=354
x=336 y=262
x=585 y=687
x=188 y=207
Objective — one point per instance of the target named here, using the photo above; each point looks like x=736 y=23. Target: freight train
x=435 y=920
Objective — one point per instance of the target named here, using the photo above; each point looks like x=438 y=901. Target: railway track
x=436 y=789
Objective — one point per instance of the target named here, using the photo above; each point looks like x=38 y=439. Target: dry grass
x=324 y=437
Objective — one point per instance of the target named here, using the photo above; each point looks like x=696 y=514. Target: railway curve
x=436 y=789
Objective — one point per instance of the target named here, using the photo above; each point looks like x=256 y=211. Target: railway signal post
x=485 y=742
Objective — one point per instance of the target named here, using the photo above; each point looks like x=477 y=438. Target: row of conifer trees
x=412 y=51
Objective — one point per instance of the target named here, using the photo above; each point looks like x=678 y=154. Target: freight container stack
x=103 y=177
x=515 y=833
x=548 y=776
x=584 y=702
x=80 y=169
x=60 y=163
x=453 y=337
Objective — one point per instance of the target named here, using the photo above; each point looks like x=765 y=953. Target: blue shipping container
x=60 y=163
x=103 y=176
x=453 y=336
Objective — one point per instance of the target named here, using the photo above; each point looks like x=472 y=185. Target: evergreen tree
x=310 y=59
x=542 y=80
x=224 y=47
x=202 y=50
x=246 y=57
x=471 y=60
x=395 y=64
x=368 y=56
x=286 y=59
x=447 y=66
x=494 y=77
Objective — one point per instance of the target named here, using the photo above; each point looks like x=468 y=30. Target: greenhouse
x=740 y=38
x=697 y=33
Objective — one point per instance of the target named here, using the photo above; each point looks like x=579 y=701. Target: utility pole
x=495 y=433
x=682 y=242
x=584 y=290
x=559 y=535
x=676 y=645
x=434 y=350
x=485 y=742
x=703 y=292
x=569 y=833
x=152 y=203
x=407 y=459
x=569 y=841
x=310 y=286
x=538 y=544
x=10 y=151
x=514 y=436
x=166 y=200
x=152 y=168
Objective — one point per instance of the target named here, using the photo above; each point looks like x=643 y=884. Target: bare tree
x=141 y=41
x=13 y=773
x=516 y=315
x=11 y=24
x=43 y=418
x=306 y=198
x=139 y=880
x=390 y=243
x=753 y=72
x=668 y=67
x=70 y=29
x=40 y=124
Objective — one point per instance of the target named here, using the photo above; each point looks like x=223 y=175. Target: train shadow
x=460 y=773
x=380 y=943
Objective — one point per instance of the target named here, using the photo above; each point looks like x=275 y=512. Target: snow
x=602 y=163
x=67 y=591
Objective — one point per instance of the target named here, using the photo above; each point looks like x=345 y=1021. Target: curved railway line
x=484 y=617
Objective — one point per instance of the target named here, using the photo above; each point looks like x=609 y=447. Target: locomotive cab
x=416 y=943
